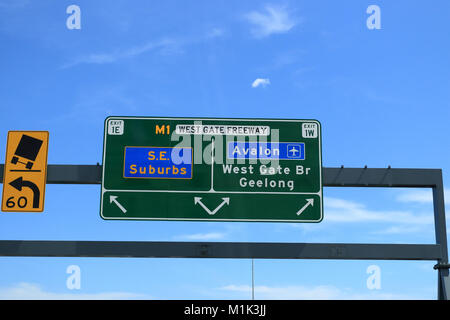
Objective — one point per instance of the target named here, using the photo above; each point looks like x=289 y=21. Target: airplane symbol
x=293 y=151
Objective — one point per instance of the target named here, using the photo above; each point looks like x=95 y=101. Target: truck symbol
x=28 y=149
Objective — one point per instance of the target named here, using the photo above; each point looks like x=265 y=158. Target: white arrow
x=114 y=199
x=309 y=202
x=199 y=200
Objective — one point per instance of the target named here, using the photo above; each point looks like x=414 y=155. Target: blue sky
x=382 y=97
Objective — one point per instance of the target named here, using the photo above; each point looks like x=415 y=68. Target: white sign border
x=320 y=193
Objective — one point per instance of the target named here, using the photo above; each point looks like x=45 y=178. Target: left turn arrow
x=19 y=183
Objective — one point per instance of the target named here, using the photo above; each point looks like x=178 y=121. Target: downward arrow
x=114 y=199
x=309 y=202
x=198 y=200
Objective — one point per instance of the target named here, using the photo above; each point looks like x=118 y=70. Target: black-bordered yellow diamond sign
x=25 y=171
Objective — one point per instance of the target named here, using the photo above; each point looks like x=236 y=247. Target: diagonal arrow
x=19 y=183
x=225 y=201
x=198 y=200
x=309 y=202
x=114 y=199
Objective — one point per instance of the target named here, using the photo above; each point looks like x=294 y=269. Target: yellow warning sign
x=25 y=171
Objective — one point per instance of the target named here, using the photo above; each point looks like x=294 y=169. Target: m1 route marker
x=204 y=169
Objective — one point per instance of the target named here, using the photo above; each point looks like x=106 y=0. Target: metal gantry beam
x=332 y=177
x=381 y=177
x=224 y=250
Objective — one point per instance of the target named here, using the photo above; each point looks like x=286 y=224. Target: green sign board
x=212 y=169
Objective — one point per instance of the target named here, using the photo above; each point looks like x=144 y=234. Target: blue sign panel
x=158 y=162
x=266 y=150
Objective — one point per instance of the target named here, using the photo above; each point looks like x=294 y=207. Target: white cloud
x=103 y=58
x=164 y=46
x=400 y=230
x=202 y=236
x=288 y=292
x=13 y=4
x=421 y=196
x=270 y=21
x=426 y=266
x=260 y=82
x=31 y=291
x=339 y=210
x=320 y=292
x=215 y=33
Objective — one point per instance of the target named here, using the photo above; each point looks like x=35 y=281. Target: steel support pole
x=441 y=239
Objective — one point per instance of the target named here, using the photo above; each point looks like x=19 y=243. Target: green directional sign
x=212 y=169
